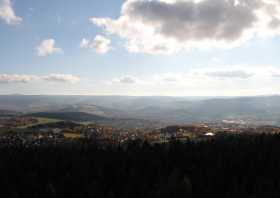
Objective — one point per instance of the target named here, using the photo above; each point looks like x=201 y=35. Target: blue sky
x=133 y=48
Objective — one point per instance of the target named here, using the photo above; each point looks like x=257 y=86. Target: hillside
x=69 y=116
x=8 y=113
x=171 y=110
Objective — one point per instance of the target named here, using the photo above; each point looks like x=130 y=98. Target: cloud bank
x=61 y=78
x=230 y=74
x=233 y=73
x=168 y=26
x=231 y=80
x=14 y=78
x=65 y=78
x=7 y=13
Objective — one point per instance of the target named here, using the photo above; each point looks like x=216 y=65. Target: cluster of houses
x=16 y=121
x=61 y=131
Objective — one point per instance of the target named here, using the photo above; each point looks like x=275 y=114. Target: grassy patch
x=73 y=135
x=40 y=121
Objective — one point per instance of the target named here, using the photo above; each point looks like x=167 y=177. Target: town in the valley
x=21 y=129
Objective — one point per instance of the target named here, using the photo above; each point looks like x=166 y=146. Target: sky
x=140 y=47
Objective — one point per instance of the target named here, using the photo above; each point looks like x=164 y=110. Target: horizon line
x=116 y=95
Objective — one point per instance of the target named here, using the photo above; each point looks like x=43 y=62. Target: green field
x=41 y=121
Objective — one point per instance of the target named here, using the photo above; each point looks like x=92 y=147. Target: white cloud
x=173 y=78
x=230 y=74
x=64 y=78
x=85 y=43
x=126 y=80
x=161 y=26
x=7 y=13
x=16 y=78
x=238 y=72
x=47 y=47
x=100 y=44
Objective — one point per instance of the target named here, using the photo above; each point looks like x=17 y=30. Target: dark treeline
x=233 y=166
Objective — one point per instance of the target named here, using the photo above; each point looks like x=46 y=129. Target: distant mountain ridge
x=8 y=113
x=170 y=110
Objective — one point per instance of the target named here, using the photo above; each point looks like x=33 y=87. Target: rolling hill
x=69 y=116
x=168 y=110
